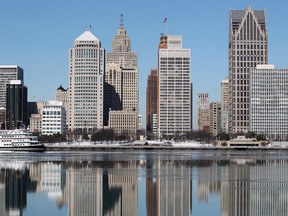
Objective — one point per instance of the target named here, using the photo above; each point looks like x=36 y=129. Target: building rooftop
x=87 y=36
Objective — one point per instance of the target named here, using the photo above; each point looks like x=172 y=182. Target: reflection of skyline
x=243 y=187
x=168 y=188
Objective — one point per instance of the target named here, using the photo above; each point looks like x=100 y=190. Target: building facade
x=86 y=83
x=248 y=47
x=151 y=99
x=269 y=102
x=16 y=105
x=35 y=123
x=174 y=99
x=224 y=105
x=8 y=73
x=215 y=118
x=62 y=95
x=53 y=118
x=123 y=122
x=203 y=112
x=121 y=79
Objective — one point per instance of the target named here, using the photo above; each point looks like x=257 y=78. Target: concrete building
x=269 y=102
x=224 y=105
x=35 y=123
x=8 y=73
x=16 y=105
x=2 y=117
x=86 y=83
x=121 y=80
x=248 y=47
x=203 y=112
x=151 y=98
x=53 y=118
x=215 y=118
x=174 y=99
x=123 y=122
x=62 y=95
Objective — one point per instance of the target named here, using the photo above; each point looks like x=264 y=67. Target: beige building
x=35 y=123
x=215 y=118
x=121 y=83
x=224 y=105
x=123 y=121
x=62 y=95
x=36 y=119
x=86 y=83
x=203 y=112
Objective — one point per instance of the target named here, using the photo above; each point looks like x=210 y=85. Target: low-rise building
x=53 y=118
x=122 y=121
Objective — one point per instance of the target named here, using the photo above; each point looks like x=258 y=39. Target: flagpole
x=166 y=26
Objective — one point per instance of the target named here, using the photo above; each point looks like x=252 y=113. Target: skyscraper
x=121 y=79
x=7 y=73
x=224 y=104
x=269 y=102
x=203 y=112
x=16 y=105
x=86 y=81
x=151 y=99
x=248 y=46
x=174 y=99
x=215 y=118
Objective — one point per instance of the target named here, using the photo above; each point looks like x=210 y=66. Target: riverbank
x=90 y=146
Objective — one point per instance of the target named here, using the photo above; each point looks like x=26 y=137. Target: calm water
x=144 y=183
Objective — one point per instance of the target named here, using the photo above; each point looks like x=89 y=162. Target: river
x=152 y=183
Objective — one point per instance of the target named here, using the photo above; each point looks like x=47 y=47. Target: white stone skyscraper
x=248 y=47
x=121 y=84
x=224 y=105
x=86 y=83
x=174 y=99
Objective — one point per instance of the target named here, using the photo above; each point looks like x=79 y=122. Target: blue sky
x=37 y=35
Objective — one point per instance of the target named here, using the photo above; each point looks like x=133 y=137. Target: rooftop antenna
x=121 y=22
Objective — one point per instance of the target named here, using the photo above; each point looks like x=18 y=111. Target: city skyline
x=38 y=38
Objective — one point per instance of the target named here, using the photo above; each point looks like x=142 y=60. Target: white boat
x=19 y=139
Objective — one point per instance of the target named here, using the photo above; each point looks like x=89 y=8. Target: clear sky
x=37 y=35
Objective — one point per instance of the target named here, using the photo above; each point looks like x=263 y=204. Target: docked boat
x=19 y=139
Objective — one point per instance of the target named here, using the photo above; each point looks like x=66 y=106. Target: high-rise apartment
x=215 y=118
x=224 y=105
x=86 y=81
x=151 y=99
x=269 y=102
x=121 y=79
x=174 y=99
x=248 y=47
x=8 y=73
x=16 y=105
x=203 y=112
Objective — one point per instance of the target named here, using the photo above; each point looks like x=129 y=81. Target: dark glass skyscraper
x=16 y=105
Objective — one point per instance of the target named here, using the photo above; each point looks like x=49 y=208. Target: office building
x=215 y=118
x=224 y=105
x=35 y=123
x=62 y=95
x=269 y=102
x=203 y=112
x=123 y=122
x=53 y=118
x=174 y=99
x=151 y=99
x=121 y=79
x=86 y=83
x=2 y=118
x=16 y=105
x=248 y=47
x=8 y=73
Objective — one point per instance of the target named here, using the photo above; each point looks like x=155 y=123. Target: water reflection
x=174 y=183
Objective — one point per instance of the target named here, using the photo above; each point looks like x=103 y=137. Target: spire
x=121 y=22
